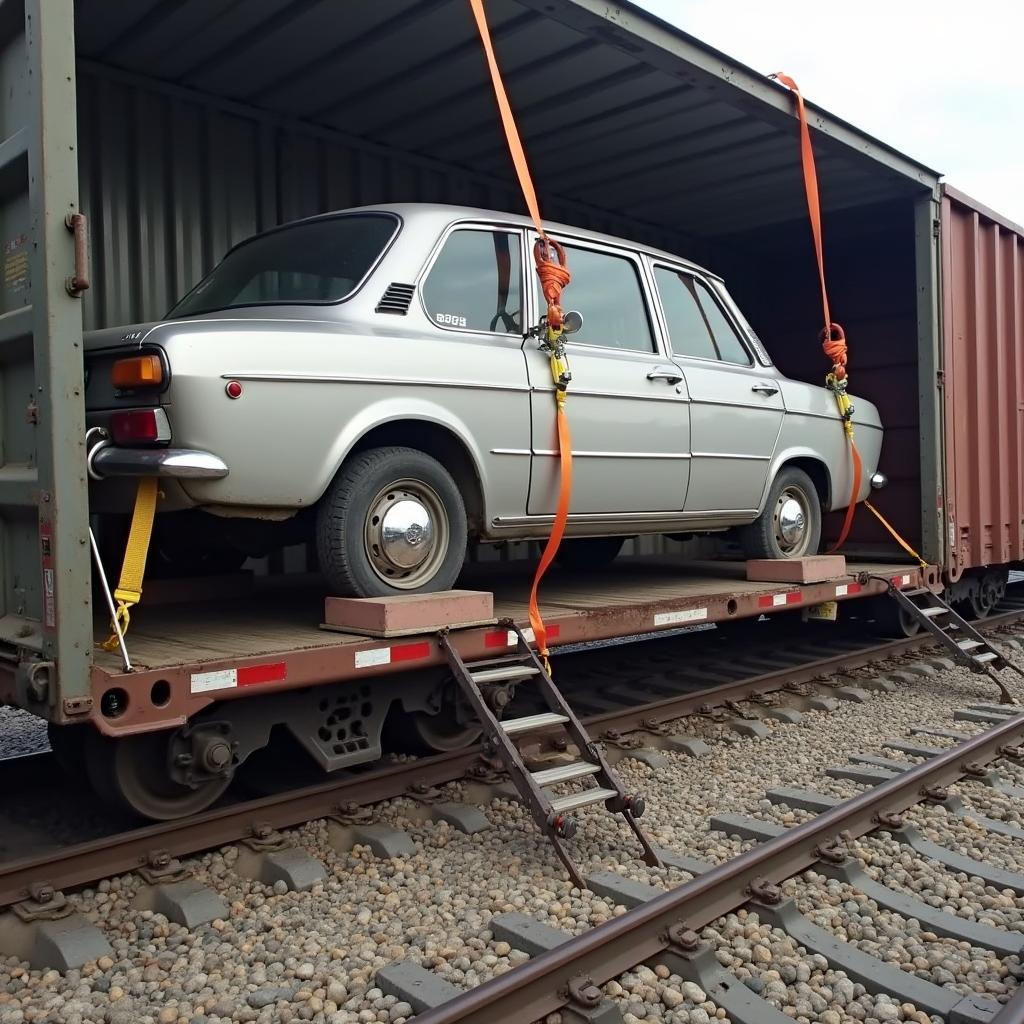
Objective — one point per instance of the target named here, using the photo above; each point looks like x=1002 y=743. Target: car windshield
x=319 y=261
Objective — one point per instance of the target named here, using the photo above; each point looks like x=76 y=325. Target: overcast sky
x=940 y=81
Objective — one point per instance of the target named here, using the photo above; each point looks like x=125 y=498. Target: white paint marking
x=687 y=615
x=378 y=656
x=224 y=679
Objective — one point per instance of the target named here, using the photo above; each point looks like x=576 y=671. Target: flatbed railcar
x=179 y=130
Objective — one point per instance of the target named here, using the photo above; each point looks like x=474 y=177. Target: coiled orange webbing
x=554 y=276
x=833 y=337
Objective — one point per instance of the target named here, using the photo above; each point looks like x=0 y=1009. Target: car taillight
x=137 y=372
x=139 y=426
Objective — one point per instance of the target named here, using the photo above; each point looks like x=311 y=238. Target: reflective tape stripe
x=507 y=638
x=230 y=678
x=683 y=615
x=901 y=581
x=388 y=655
x=777 y=600
x=846 y=589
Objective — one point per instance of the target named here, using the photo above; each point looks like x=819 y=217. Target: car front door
x=736 y=407
x=627 y=405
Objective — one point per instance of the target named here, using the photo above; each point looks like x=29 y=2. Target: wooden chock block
x=813 y=569
x=408 y=613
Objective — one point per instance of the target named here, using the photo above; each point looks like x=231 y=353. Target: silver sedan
x=372 y=380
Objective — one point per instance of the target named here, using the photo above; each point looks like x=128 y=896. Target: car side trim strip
x=301 y=378
x=592 y=455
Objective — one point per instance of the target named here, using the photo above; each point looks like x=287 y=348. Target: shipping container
x=180 y=129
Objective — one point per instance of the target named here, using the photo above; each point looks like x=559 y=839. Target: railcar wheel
x=891 y=619
x=442 y=732
x=790 y=525
x=134 y=774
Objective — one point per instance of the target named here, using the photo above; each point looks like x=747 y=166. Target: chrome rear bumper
x=182 y=463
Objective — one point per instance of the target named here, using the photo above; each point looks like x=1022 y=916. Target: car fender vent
x=396 y=299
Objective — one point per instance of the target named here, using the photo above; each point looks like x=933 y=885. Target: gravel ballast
x=313 y=956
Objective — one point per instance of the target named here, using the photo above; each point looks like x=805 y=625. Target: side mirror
x=572 y=322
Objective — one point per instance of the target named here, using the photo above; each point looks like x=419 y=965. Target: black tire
x=763 y=538
x=345 y=525
x=588 y=552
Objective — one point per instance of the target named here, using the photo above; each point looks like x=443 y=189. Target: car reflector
x=139 y=426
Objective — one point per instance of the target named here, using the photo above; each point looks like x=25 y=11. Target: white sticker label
x=379 y=656
x=689 y=615
x=778 y=599
x=842 y=589
x=224 y=679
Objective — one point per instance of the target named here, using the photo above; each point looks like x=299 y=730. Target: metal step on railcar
x=485 y=687
x=965 y=643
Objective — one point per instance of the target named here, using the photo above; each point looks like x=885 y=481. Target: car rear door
x=627 y=404
x=736 y=406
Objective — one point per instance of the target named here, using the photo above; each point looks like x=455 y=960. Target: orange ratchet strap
x=833 y=338
x=554 y=276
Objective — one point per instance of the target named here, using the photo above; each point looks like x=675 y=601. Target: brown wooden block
x=814 y=569
x=409 y=613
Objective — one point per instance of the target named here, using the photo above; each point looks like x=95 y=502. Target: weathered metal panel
x=172 y=179
x=46 y=615
x=983 y=341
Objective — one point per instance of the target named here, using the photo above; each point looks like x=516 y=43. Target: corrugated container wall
x=983 y=381
x=171 y=181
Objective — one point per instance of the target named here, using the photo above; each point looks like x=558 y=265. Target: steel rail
x=540 y=986
x=83 y=863
x=1013 y=1011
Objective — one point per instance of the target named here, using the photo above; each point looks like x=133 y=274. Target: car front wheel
x=790 y=525
x=392 y=522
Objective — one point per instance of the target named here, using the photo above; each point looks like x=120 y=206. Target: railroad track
x=632 y=731
x=664 y=928
x=626 y=728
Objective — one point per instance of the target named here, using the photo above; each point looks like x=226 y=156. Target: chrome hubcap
x=790 y=522
x=406 y=534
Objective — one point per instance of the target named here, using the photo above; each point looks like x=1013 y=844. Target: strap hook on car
x=129 y=587
x=554 y=276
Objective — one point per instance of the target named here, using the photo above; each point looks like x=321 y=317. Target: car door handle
x=669 y=374
x=765 y=389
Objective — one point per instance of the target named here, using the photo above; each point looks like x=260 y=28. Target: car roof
x=442 y=214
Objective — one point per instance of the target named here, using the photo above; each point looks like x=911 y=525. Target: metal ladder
x=485 y=686
x=965 y=643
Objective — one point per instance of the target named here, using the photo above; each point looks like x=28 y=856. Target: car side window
x=476 y=282
x=606 y=290
x=696 y=324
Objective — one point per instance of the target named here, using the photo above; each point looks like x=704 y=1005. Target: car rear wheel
x=392 y=522
x=790 y=525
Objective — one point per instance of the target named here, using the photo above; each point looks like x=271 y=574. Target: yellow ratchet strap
x=129 y=586
x=895 y=536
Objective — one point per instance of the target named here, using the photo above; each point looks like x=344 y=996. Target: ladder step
x=581 y=799
x=968 y=645
x=915 y=593
x=542 y=721
x=931 y=613
x=565 y=773
x=984 y=659
x=503 y=673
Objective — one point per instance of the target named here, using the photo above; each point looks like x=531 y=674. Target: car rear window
x=315 y=262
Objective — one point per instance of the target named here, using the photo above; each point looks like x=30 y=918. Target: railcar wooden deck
x=268 y=637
